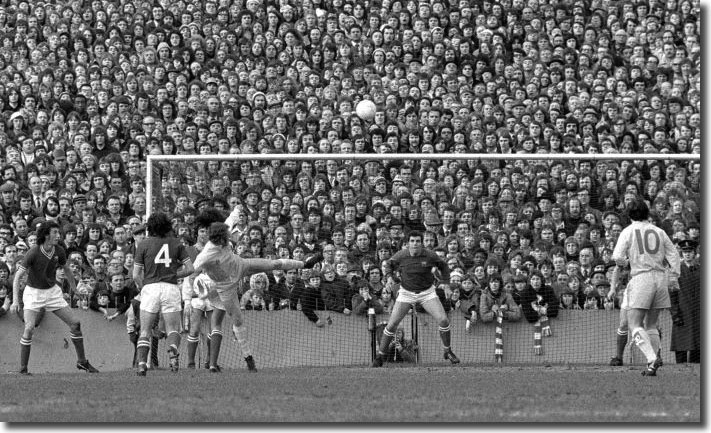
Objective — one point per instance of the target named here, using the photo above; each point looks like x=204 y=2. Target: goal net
x=509 y=215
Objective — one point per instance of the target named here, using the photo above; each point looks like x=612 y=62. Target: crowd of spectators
x=87 y=89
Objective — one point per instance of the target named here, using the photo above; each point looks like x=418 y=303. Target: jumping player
x=415 y=265
x=226 y=269
x=159 y=261
x=43 y=294
x=646 y=246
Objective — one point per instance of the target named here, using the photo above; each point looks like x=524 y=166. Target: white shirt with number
x=647 y=247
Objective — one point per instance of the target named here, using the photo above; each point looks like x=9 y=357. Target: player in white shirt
x=195 y=293
x=646 y=247
x=226 y=269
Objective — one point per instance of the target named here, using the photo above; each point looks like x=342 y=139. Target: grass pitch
x=436 y=393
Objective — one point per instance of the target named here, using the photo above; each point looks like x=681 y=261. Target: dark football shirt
x=416 y=271
x=160 y=259
x=42 y=266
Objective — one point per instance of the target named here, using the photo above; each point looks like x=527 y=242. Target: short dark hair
x=219 y=233
x=638 y=209
x=414 y=234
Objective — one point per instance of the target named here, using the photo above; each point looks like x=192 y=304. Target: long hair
x=208 y=216
x=638 y=210
x=159 y=225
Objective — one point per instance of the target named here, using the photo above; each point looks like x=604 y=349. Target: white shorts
x=43 y=299
x=201 y=304
x=223 y=294
x=648 y=290
x=409 y=297
x=161 y=297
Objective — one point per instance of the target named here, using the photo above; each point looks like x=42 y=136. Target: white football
x=202 y=285
x=366 y=109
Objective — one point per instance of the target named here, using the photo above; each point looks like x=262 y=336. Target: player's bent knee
x=29 y=330
x=75 y=327
x=237 y=320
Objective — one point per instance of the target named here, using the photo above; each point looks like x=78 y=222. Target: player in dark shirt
x=416 y=266
x=160 y=260
x=43 y=294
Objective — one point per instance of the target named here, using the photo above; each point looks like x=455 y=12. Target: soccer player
x=623 y=328
x=42 y=293
x=417 y=287
x=226 y=269
x=159 y=261
x=196 y=294
x=646 y=246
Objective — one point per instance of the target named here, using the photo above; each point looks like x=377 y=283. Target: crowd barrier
x=288 y=339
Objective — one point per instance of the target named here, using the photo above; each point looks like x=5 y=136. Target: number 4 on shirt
x=163 y=256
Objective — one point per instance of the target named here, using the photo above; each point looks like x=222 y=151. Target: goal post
x=287 y=338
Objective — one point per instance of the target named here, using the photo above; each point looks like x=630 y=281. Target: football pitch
x=435 y=393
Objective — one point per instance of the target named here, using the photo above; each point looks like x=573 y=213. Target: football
x=366 y=109
x=203 y=284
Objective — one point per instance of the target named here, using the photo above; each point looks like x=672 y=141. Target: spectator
x=538 y=299
x=334 y=290
x=686 y=308
x=256 y=297
x=118 y=298
x=495 y=299
x=401 y=349
x=5 y=291
x=469 y=300
x=366 y=299
x=290 y=294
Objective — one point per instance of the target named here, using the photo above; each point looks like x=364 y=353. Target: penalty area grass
x=395 y=393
